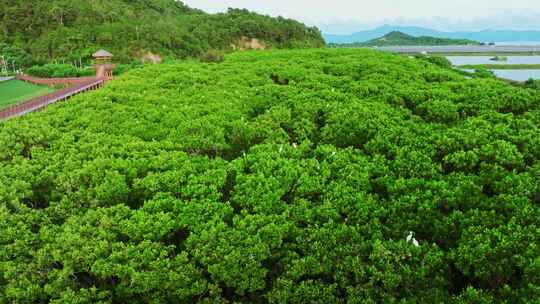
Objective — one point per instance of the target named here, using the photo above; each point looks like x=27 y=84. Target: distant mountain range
x=395 y=38
x=481 y=36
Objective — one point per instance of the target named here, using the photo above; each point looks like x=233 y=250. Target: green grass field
x=15 y=91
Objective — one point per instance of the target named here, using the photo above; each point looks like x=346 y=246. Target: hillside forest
x=69 y=31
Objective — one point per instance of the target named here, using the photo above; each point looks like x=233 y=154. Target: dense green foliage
x=533 y=84
x=52 y=70
x=15 y=91
x=12 y=59
x=482 y=72
x=276 y=177
x=398 y=38
x=71 y=30
x=441 y=61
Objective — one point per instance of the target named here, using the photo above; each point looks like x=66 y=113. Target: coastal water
x=464 y=60
x=517 y=75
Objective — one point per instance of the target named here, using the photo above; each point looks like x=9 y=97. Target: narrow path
x=43 y=101
x=2 y=79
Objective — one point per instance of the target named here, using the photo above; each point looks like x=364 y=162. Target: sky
x=347 y=16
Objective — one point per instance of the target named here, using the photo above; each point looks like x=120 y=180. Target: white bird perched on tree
x=411 y=239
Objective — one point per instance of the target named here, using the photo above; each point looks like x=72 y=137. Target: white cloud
x=450 y=15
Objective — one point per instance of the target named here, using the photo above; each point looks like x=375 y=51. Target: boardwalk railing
x=55 y=81
x=42 y=101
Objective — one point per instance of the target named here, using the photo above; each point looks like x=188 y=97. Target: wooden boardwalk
x=37 y=103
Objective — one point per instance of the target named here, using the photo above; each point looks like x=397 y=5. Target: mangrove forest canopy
x=286 y=176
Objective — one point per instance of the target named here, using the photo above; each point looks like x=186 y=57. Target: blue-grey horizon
x=347 y=16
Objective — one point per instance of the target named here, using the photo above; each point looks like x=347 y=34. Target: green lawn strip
x=16 y=91
x=501 y=66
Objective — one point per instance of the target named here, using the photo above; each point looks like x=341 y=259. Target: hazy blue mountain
x=482 y=36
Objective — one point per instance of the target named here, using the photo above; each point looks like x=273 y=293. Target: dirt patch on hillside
x=150 y=57
x=246 y=43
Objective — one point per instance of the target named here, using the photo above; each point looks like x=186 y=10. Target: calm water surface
x=463 y=60
x=518 y=75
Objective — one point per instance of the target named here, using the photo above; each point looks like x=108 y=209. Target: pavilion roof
x=102 y=53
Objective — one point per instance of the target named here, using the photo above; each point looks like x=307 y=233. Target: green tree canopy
x=305 y=176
